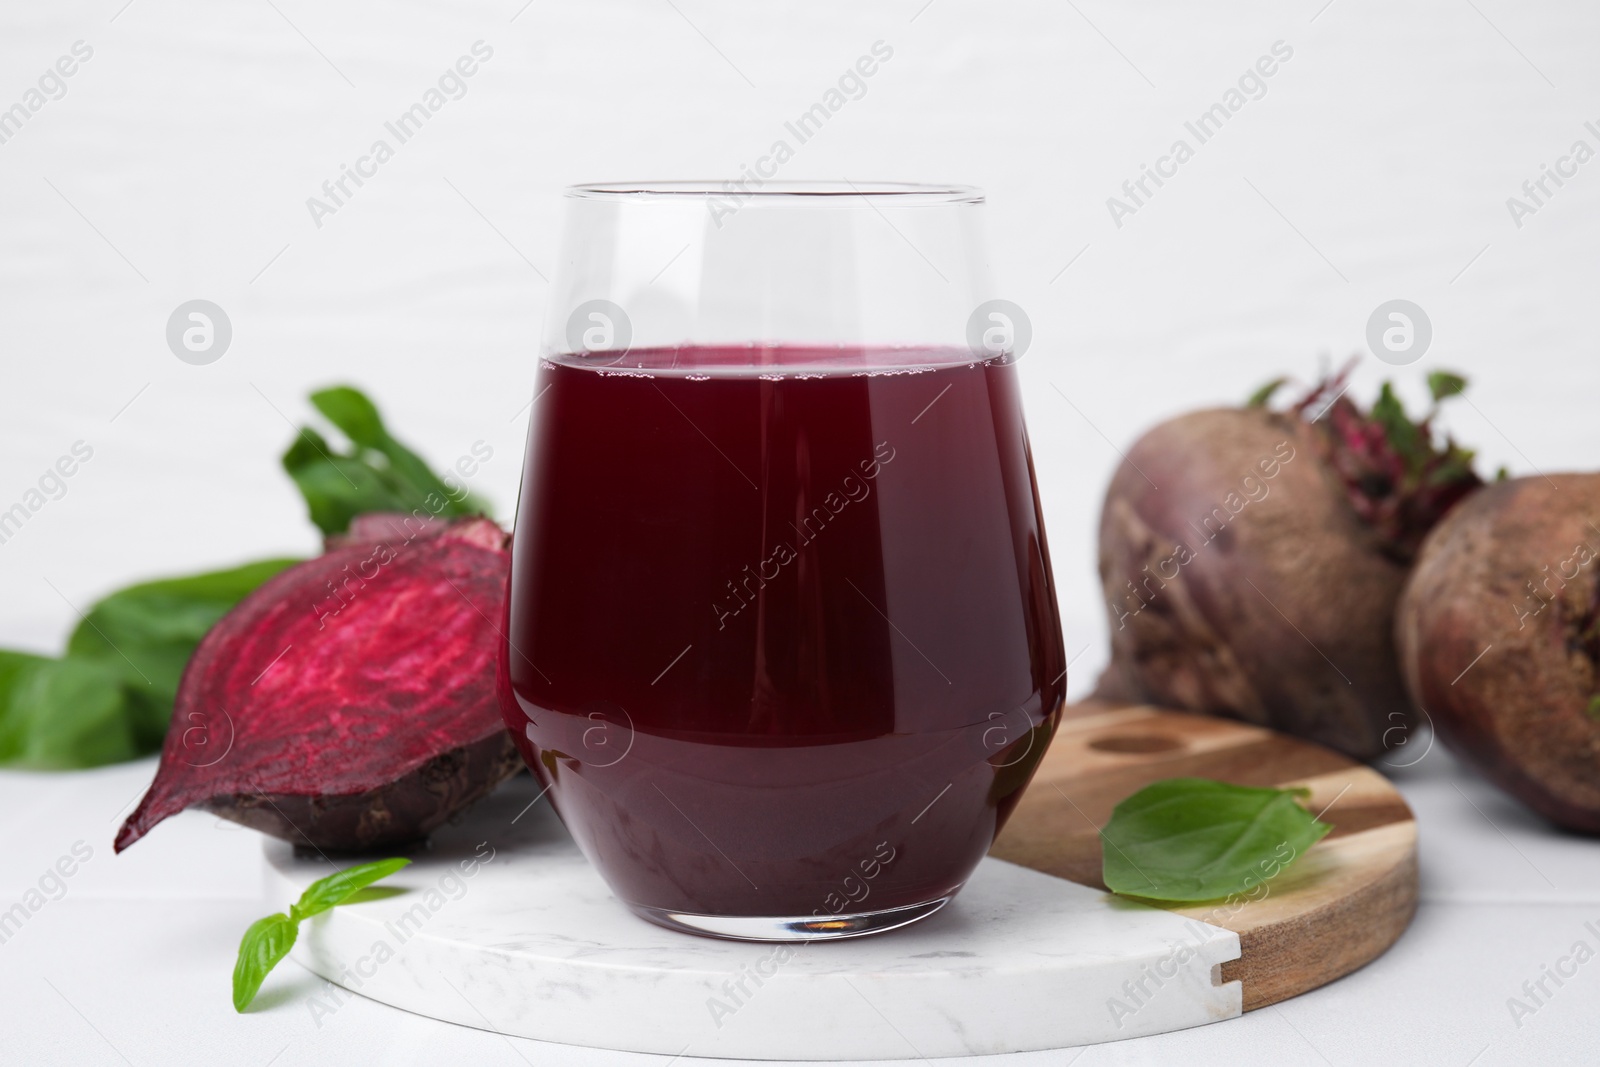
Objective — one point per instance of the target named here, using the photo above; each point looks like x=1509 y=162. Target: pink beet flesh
x=335 y=681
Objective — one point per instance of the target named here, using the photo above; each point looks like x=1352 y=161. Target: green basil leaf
x=266 y=943
x=62 y=714
x=378 y=473
x=339 y=887
x=1187 y=839
x=356 y=416
x=338 y=488
x=15 y=668
x=269 y=940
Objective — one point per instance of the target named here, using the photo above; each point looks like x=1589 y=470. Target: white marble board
x=503 y=925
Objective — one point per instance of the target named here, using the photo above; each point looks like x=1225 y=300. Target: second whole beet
x=1251 y=561
x=1499 y=636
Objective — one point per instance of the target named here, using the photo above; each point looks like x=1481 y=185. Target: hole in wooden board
x=1136 y=743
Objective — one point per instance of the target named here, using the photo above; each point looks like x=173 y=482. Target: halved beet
x=349 y=703
x=399 y=528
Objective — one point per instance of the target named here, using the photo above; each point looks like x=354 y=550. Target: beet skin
x=1499 y=635
x=349 y=703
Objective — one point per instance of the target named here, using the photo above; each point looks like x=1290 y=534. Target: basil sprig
x=269 y=940
x=1189 y=839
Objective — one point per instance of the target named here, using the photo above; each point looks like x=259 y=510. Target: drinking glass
x=782 y=640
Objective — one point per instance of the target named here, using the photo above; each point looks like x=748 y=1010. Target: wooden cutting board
x=1337 y=907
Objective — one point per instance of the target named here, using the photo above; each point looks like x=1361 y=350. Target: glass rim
x=816 y=359
x=779 y=191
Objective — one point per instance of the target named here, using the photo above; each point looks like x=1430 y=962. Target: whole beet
x=1251 y=559
x=1499 y=637
x=1240 y=581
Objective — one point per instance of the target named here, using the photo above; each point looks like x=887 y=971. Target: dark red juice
x=782 y=642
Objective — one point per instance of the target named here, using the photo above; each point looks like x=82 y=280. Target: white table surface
x=177 y=166
x=135 y=960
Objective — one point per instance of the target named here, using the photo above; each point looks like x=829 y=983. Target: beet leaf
x=1396 y=477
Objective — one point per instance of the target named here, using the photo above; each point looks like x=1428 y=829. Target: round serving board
x=1339 y=906
x=503 y=925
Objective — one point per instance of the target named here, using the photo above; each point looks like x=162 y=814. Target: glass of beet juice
x=782 y=634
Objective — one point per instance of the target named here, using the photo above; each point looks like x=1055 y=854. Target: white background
x=178 y=164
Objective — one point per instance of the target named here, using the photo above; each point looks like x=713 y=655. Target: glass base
x=812 y=928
